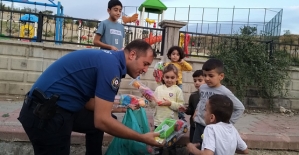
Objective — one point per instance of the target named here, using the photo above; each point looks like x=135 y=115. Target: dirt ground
x=24 y=148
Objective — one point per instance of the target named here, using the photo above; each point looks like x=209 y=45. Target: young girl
x=169 y=97
x=176 y=55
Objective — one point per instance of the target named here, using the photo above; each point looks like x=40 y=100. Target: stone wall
x=21 y=63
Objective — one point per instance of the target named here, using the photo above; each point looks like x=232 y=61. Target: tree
x=91 y=24
x=47 y=12
x=248 y=30
x=83 y=23
x=26 y=9
x=249 y=68
x=68 y=19
x=287 y=32
x=287 y=37
x=2 y=6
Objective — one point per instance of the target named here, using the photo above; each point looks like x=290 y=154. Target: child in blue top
x=110 y=33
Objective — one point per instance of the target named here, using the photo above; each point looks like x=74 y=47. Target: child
x=213 y=75
x=176 y=55
x=194 y=99
x=220 y=136
x=171 y=96
x=110 y=33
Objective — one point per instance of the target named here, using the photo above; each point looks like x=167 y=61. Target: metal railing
x=12 y=27
x=154 y=36
x=201 y=45
x=72 y=31
x=219 y=20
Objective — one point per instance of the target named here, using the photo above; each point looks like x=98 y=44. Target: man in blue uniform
x=76 y=93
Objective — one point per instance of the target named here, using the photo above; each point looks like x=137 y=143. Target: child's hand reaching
x=193 y=117
x=165 y=102
x=113 y=48
x=182 y=108
x=192 y=148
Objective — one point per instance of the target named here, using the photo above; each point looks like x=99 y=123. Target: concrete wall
x=21 y=63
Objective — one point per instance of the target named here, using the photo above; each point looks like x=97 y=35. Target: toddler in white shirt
x=220 y=137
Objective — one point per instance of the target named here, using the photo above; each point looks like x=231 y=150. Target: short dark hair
x=140 y=46
x=169 y=68
x=222 y=107
x=197 y=73
x=179 y=49
x=213 y=64
x=113 y=3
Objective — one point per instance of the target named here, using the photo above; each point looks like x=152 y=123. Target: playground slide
x=153 y=39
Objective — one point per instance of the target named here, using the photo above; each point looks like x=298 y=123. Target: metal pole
x=148 y=18
x=188 y=17
x=281 y=12
x=174 y=13
x=248 y=17
x=61 y=22
x=39 y=27
x=57 y=26
x=217 y=20
x=1 y=16
x=264 y=19
x=231 y=31
x=203 y=12
x=33 y=3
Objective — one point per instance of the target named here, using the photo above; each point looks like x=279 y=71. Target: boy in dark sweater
x=194 y=99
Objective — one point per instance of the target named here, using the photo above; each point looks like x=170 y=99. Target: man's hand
x=104 y=121
x=113 y=48
x=133 y=107
x=148 y=97
x=149 y=138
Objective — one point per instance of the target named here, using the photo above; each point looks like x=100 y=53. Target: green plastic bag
x=137 y=121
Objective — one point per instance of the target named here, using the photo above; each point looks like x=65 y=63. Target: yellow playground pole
x=182 y=39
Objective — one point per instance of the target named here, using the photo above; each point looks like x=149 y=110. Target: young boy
x=213 y=71
x=194 y=99
x=220 y=136
x=110 y=33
